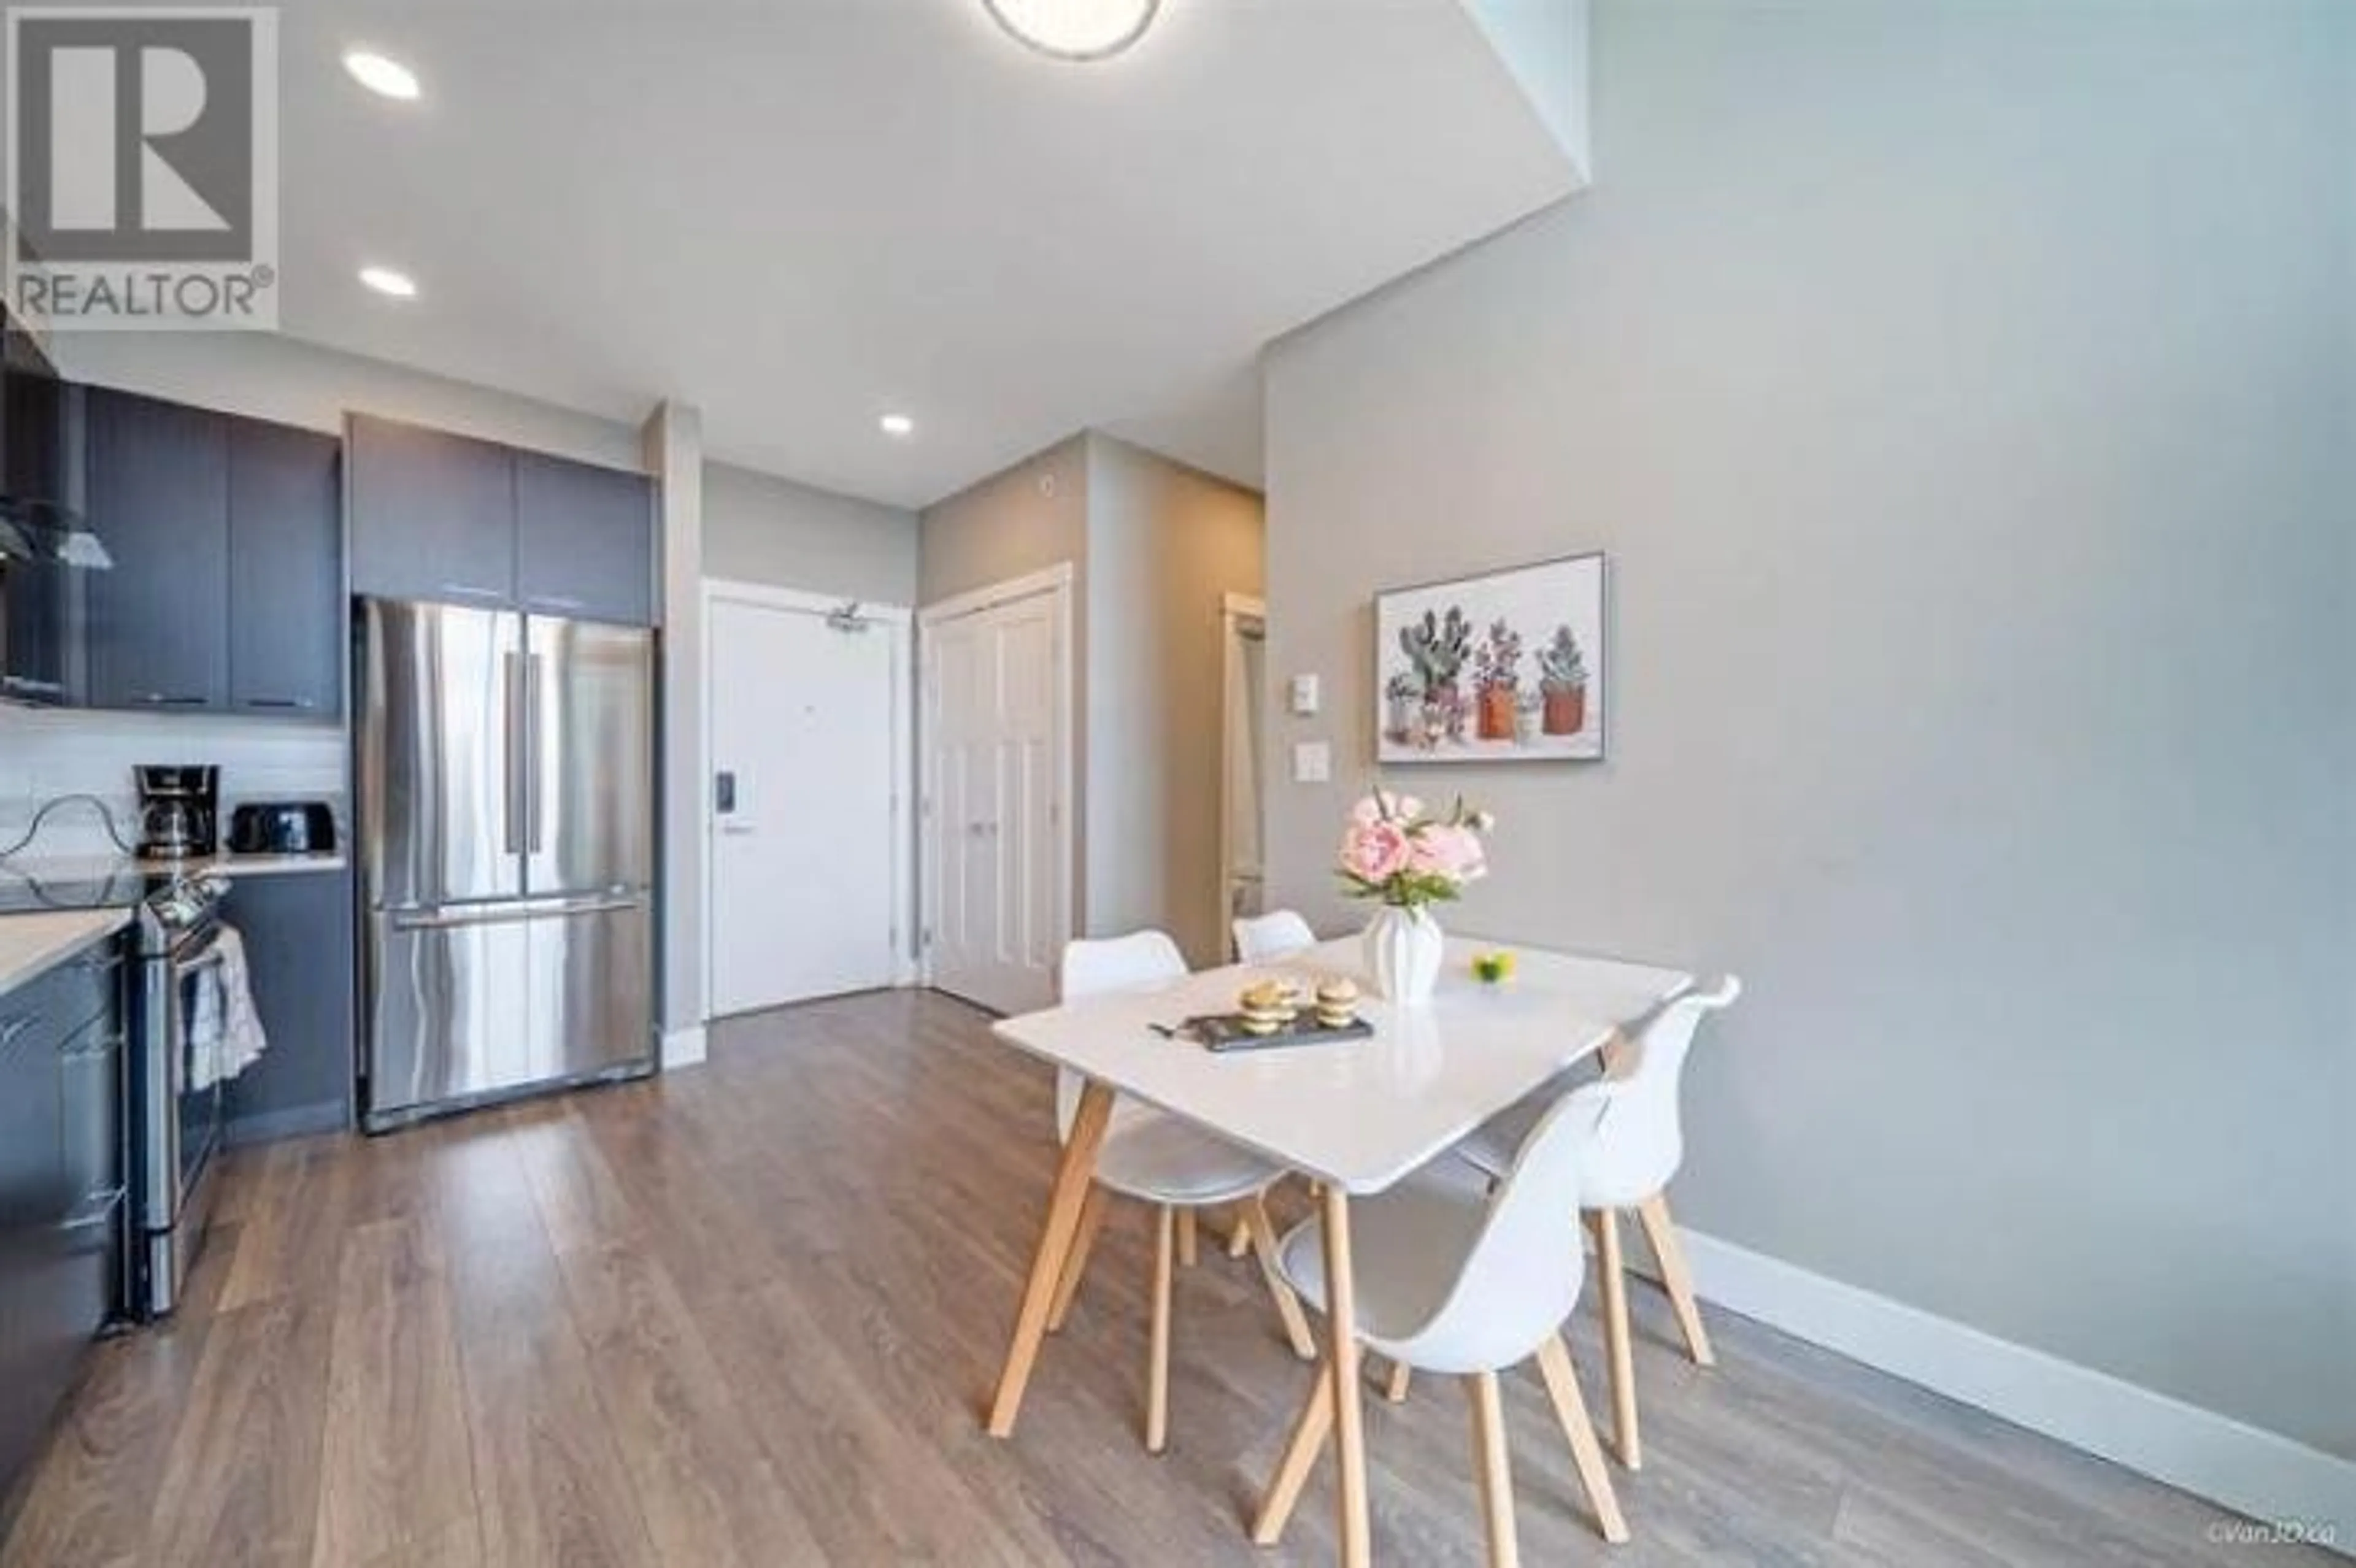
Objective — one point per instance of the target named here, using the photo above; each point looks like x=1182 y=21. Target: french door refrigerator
x=506 y=803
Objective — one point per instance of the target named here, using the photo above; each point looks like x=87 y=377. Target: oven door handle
x=213 y=957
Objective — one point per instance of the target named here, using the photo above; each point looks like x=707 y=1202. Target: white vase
x=1403 y=952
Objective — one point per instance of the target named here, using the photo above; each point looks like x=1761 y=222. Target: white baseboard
x=683 y=1047
x=2263 y=1475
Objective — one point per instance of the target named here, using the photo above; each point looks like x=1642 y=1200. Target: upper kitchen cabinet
x=449 y=519
x=584 y=540
x=433 y=514
x=159 y=496
x=227 y=593
x=286 y=570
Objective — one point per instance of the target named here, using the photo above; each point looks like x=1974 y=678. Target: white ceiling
x=800 y=214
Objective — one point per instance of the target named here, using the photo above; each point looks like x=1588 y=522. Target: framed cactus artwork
x=1504 y=668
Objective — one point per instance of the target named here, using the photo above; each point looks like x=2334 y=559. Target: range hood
x=43 y=532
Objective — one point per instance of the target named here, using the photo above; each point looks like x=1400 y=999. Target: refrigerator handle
x=511 y=689
x=533 y=794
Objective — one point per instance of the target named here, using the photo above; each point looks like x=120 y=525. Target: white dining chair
x=1162 y=1160
x=1448 y=1280
x=1279 y=934
x=1636 y=1153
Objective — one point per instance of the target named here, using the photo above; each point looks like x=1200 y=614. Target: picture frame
x=1504 y=666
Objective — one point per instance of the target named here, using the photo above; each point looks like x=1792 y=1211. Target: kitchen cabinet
x=433 y=514
x=456 y=520
x=61 y=1185
x=33 y=631
x=34 y=594
x=297 y=927
x=584 y=540
x=286 y=570
x=159 y=498
x=227 y=590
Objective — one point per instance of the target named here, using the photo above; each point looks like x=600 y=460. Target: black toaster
x=283 y=827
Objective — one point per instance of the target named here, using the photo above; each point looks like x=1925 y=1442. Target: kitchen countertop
x=95 y=868
x=31 y=944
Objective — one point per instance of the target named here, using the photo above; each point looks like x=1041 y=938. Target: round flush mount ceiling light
x=385 y=281
x=899 y=426
x=1075 y=29
x=384 y=77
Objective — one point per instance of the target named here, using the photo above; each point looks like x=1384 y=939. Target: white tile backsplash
x=49 y=753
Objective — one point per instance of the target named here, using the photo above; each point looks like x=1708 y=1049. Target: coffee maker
x=179 y=810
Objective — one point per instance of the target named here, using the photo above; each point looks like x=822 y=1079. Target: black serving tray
x=1225 y=1031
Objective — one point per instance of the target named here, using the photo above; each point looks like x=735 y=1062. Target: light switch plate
x=1305 y=696
x=1313 y=761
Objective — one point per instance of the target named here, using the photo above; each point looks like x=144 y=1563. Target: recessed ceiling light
x=896 y=424
x=385 y=281
x=386 y=78
x=1075 y=29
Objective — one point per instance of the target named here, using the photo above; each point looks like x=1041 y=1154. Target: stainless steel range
x=177 y=1094
x=175 y=1111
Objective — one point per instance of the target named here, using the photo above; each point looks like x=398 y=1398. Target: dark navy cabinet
x=433 y=514
x=456 y=520
x=227 y=534
x=158 y=497
x=297 y=927
x=286 y=570
x=584 y=540
x=61 y=1185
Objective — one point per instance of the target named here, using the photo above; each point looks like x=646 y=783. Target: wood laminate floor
x=749 y=1315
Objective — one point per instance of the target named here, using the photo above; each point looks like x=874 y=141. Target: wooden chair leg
x=1157 y=1373
x=1310 y=1430
x=1395 y=1389
x=1495 y=1468
x=1075 y=1262
x=1188 y=1254
x=1624 y=1436
x=1287 y=1306
x=1570 y=1410
x=1677 y=1278
x=1239 y=1235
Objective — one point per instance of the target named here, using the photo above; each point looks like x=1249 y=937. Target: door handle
x=534 y=802
x=511 y=688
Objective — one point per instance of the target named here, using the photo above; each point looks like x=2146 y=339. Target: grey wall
x=1023 y=520
x=1166 y=545
x=761 y=528
x=1964 y=394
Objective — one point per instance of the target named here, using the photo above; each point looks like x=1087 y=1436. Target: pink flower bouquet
x=1394 y=851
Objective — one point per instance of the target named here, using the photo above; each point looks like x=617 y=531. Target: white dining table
x=1355 y=1115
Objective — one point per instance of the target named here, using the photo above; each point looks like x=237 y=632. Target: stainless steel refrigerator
x=507 y=823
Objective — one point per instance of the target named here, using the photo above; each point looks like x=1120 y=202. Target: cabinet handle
x=558 y=602
x=95 y=1210
x=165 y=699
x=14 y=1031
x=280 y=702
x=105 y=1046
x=485 y=595
x=26 y=683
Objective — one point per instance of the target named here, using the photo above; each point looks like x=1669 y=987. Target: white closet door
x=993 y=831
x=803 y=867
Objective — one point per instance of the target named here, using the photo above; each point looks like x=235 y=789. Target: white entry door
x=996 y=874
x=806 y=711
